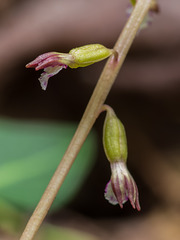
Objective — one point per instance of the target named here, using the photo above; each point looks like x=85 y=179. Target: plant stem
x=98 y=97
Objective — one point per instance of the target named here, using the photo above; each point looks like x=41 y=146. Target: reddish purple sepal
x=51 y=62
x=122 y=186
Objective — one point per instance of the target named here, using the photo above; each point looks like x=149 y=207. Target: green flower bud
x=114 y=138
x=88 y=54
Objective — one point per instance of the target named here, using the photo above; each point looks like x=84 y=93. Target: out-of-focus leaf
x=49 y=232
x=29 y=155
x=11 y=220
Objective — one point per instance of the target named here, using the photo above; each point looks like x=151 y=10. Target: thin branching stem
x=98 y=97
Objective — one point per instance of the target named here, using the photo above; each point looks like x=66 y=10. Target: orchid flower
x=121 y=186
x=54 y=62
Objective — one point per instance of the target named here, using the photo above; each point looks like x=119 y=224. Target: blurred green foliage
x=50 y=232
x=29 y=155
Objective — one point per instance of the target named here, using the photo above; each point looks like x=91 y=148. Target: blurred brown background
x=146 y=97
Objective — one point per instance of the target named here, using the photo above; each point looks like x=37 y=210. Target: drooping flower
x=53 y=62
x=121 y=186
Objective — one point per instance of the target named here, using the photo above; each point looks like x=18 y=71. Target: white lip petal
x=109 y=194
x=49 y=72
x=44 y=80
